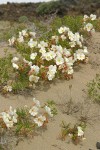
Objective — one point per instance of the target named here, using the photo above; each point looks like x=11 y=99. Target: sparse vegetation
x=76 y=133
x=94 y=89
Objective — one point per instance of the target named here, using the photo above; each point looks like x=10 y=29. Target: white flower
x=32 y=43
x=71 y=35
x=55 y=38
x=70 y=70
x=52 y=68
x=63 y=37
x=33 y=34
x=59 y=60
x=85 y=50
x=10 y=117
x=42 y=44
x=93 y=17
x=79 y=43
x=63 y=30
x=23 y=33
x=33 y=56
x=67 y=52
x=72 y=44
x=42 y=50
x=76 y=36
x=51 y=72
x=36 y=102
x=34 y=111
x=85 y=17
x=59 y=49
x=20 y=39
x=15 y=60
x=40 y=120
x=80 y=131
x=15 y=66
x=49 y=55
x=33 y=78
x=8 y=88
x=27 y=62
x=35 y=69
x=69 y=61
x=88 y=27
x=48 y=110
x=79 y=54
x=12 y=41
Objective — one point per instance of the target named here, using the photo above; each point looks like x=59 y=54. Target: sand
x=59 y=92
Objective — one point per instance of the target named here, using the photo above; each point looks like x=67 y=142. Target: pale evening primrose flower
x=59 y=60
x=12 y=41
x=33 y=56
x=49 y=55
x=63 y=37
x=27 y=62
x=34 y=111
x=79 y=54
x=20 y=39
x=15 y=60
x=42 y=44
x=71 y=35
x=8 y=88
x=69 y=61
x=10 y=117
x=85 y=18
x=85 y=50
x=48 y=110
x=70 y=70
x=33 y=78
x=67 y=52
x=15 y=66
x=32 y=43
x=35 y=69
x=63 y=30
x=72 y=44
x=40 y=120
x=33 y=34
x=36 y=102
x=51 y=72
x=93 y=17
x=42 y=50
x=80 y=131
x=55 y=38
x=88 y=27
x=23 y=33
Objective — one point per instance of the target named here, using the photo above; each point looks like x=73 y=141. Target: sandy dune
x=59 y=92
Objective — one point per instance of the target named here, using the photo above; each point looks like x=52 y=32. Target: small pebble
x=98 y=145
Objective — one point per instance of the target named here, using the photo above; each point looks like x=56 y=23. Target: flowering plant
x=27 y=119
x=76 y=133
x=47 y=59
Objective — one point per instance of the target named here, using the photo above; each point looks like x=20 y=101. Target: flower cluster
x=9 y=117
x=55 y=58
x=36 y=114
x=76 y=133
x=88 y=26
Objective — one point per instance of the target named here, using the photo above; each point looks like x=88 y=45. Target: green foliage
x=74 y=23
x=67 y=130
x=23 y=19
x=96 y=24
x=48 y=7
x=24 y=124
x=11 y=31
x=52 y=104
x=5 y=69
x=94 y=89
